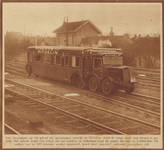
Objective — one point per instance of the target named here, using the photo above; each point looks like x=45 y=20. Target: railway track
x=101 y=119
x=133 y=98
x=10 y=130
x=151 y=104
x=152 y=84
x=147 y=70
x=148 y=85
x=144 y=104
x=147 y=80
x=143 y=82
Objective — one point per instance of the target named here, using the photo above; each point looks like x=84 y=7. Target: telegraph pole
x=82 y=30
x=35 y=32
x=67 y=31
x=24 y=35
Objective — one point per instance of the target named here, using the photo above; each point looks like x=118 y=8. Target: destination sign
x=113 y=55
x=47 y=51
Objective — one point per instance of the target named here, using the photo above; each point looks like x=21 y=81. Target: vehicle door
x=66 y=66
x=98 y=66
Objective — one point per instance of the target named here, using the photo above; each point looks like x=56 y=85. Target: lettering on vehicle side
x=47 y=52
x=113 y=55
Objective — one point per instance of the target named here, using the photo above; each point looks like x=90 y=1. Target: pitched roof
x=51 y=41
x=74 y=26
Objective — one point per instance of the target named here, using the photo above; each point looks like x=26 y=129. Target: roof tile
x=73 y=26
x=69 y=27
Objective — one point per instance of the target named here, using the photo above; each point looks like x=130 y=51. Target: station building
x=72 y=33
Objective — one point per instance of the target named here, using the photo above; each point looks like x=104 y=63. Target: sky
x=43 y=18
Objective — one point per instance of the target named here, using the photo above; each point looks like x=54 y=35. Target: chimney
x=111 y=32
x=64 y=21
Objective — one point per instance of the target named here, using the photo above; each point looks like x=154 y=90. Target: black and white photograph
x=82 y=75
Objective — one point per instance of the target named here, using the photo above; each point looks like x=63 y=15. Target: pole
x=67 y=30
x=35 y=33
x=24 y=35
x=82 y=30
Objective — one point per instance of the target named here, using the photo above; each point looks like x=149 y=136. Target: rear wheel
x=107 y=86
x=80 y=82
x=93 y=84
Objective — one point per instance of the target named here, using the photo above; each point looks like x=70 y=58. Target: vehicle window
x=66 y=60
x=58 y=59
x=97 y=63
x=75 y=61
x=47 y=58
x=30 y=56
x=37 y=56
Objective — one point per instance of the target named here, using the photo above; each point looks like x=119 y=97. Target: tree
x=147 y=50
x=16 y=43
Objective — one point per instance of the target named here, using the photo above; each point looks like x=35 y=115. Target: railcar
x=85 y=66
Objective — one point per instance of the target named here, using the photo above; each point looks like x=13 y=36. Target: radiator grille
x=126 y=75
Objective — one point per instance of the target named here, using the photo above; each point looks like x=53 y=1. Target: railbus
x=85 y=66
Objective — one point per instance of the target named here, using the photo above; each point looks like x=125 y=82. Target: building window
x=47 y=58
x=75 y=61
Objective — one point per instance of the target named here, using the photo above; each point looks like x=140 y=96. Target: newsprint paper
x=31 y=21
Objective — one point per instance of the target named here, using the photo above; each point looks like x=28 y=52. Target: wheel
x=28 y=70
x=93 y=84
x=80 y=82
x=107 y=86
x=129 y=89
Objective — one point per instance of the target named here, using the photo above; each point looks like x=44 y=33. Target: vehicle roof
x=94 y=51
x=105 y=51
x=60 y=48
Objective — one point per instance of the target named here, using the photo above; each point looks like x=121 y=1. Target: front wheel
x=93 y=84
x=107 y=86
x=80 y=82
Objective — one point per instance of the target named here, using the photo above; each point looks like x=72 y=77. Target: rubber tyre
x=107 y=86
x=80 y=82
x=29 y=70
x=93 y=84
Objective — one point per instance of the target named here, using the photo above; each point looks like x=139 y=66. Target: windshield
x=112 y=60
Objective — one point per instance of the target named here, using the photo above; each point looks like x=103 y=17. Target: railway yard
x=37 y=105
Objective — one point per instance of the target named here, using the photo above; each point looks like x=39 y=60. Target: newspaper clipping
x=82 y=75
